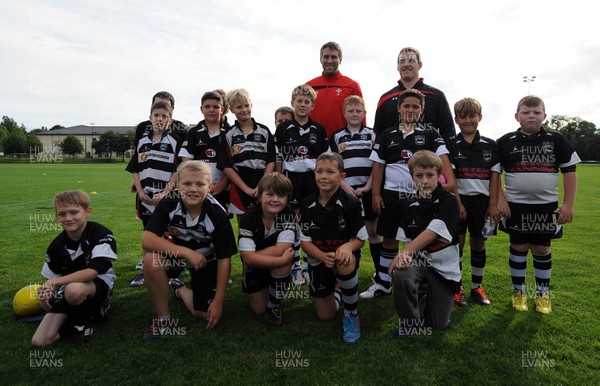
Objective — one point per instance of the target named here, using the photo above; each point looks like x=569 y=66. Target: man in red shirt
x=332 y=89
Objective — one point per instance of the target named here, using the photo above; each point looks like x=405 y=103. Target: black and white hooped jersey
x=155 y=161
x=248 y=154
x=329 y=227
x=252 y=235
x=473 y=163
x=438 y=213
x=202 y=145
x=355 y=149
x=394 y=148
x=96 y=249
x=531 y=164
x=210 y=233
x=299 y=146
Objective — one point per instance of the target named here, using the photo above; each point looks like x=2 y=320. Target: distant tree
x=583 y=135
x=56 y=127
x=9 y=123
x=42 y=129
x=33 y=142
x=3 y=135
x=15 y=142
x=111 y=142
x=122 y=143
x=71 y=145
x=104 y=143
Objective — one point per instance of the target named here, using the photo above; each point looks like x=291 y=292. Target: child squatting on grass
x=79 y=273
x=202 y=239
x=267 y=233
x=428 y=225
x=332 y=233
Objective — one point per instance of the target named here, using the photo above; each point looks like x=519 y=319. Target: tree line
x=583 y=135
x=16 y=140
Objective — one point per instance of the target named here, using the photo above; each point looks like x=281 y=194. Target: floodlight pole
x=528 y=80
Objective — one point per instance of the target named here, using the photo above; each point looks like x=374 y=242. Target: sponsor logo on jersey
x=516 y=150
x=343 y=146
x=342 y=223
x=236 y=149
x=487 y=155
x=163 y=146
x=175 y=232
x=245 y=232
x=548 y=147
x=210 y=153
x=406 y=154
x=302 y=150
x=144 y=157
x=420 y=140
x=312 y=138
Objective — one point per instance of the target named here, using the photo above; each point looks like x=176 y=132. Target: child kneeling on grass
x=430 y=255
x=79 y=273
x=202 y=238
x=332 y=232
x=267 y=233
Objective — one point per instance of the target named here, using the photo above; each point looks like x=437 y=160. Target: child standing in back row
x=204 y=142
x=475 y=162
x=153 y=165
x=531 y=157
x=249 y=155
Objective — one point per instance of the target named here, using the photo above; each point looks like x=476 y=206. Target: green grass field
x=493 y=345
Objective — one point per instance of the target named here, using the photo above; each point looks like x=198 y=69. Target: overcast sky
x=72 y=63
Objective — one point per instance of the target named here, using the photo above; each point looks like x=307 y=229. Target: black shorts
x=174 y=266
x=239 y=202
x=204 y=285
x=389 y=220
x=322 y=280
x=532 y=224
x=141 y=211
x=304 y=185
x=60 y=306
x=476 y=207
x=255 y=280
x=367 y=204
